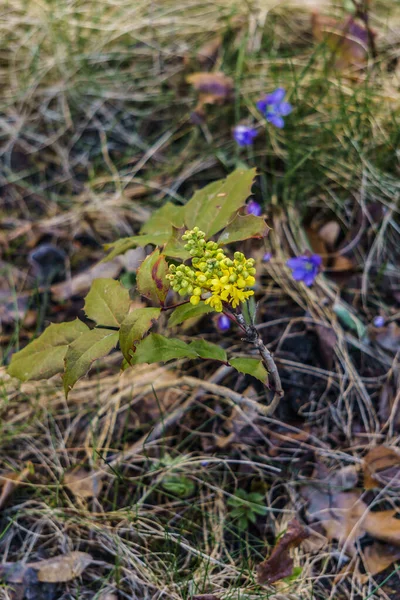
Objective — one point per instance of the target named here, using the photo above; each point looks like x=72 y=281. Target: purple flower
x=305 y=268
x=273 y=107
x=244 y=135
x=223 y=323
x=253 y=208
x=267 y=257
x=379 y=321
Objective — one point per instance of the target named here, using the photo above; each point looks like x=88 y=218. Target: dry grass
x=96 y=132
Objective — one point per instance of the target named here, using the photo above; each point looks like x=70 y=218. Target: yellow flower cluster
x=213 y=275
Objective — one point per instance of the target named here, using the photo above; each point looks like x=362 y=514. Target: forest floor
x=177 y=492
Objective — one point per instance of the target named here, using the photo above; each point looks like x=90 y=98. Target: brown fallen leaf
x=376 y=558
x=341 y=263
x=346 y=517
x=83 y=484
x=208 y=52
x=348 y=40
x=382 y=467
x=280 y=563
x=61 y=568
x=216 y=87
x=11 y=481
x=213 y=88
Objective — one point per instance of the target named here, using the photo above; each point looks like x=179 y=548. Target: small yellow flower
x=215 y=274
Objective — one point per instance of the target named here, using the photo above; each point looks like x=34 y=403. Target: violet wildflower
x=379 y=321
x=305 y=268
x=244 y=135
x=273 y=107
x=223 y=323
x=253 y=208
x=267 y=257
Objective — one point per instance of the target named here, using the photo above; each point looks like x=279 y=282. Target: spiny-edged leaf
x=157 y=348
x=188 y=311
x=107 y=303
x=242 y=228
x=124 y=244
x=175 y=247
x=250 y=366
x=212 y=207
x=90 y=346
x=208 y=350
x=134 y=326
x=44 y=357
x=151 y=277
x=162 y=220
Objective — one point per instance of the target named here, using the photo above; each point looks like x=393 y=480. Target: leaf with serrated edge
x=151 y=277
x=243 y=228
x=212 y=207
x=157 y=348
x=208 y=350
x=250 y=366
x=107 y=303
x=124 y=244
x=162 y=220
x=188 y=311
x=92 y=345
x=44 y=357
x=134 y=326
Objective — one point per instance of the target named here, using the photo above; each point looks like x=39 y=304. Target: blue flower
x=267 y=257
x=305 y=268
x=253 y=208
x=379 y=321
x=244 y=135
x=223 y=323
x=273 y=107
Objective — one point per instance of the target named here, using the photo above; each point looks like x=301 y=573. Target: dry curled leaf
x=83 y=484
x=346 y=517
x=280 y=563
x=382 y=468
x=61 y=568
x=215 y=86
x=10 y=481
x=348 y=39
x=377 y=557
x=329 y=233
x=208 y=52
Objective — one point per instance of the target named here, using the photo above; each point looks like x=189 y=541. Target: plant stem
x=253 y=337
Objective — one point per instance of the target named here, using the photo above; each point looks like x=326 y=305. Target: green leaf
x=124 y=244
x=157 y=348
x=250 y=366
x=349 y=320
x=133 y=328
x=151 y=277
x=90 y=346
x=243 y=228
x=162 y=220
x=107 y=303
x=175 y=247
x=188 y=311
x=208 y=350
x=44 y=357
x=179 y=485
x=212 y=207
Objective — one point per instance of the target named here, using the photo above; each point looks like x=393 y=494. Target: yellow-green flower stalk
x=213 y=276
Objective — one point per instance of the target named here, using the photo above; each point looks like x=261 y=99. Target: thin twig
x=253 y=337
